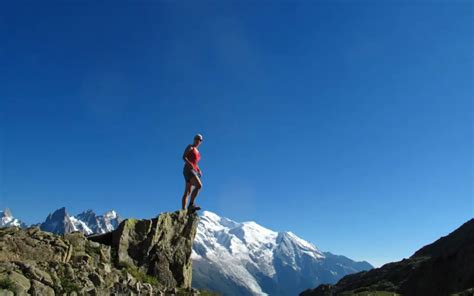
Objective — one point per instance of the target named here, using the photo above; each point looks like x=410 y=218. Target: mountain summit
x=249 y=259
x=7 y=219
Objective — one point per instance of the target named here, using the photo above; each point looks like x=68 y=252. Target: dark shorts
x=188 y=173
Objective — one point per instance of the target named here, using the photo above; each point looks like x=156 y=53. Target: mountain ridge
x=443 y=267
x=245 y=258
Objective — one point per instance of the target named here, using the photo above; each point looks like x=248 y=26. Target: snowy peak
x=58 y=222
x=80 y=226
x=244 y=252
x=86 y=222
x=293 y=251
x=59 y=214
x=248 y=259
x=6 y=213
x=100 y=223
x=108 y=222
x=7 y=219
x=291 y=244
x=211 y=219
x=110 y=215
x=252 y=233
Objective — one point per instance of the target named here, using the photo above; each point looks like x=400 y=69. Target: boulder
x=39 y=289
x=160 y=247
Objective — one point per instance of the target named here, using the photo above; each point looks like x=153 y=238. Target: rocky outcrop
x=160 y=247
x=147 y=257
x=444 y=267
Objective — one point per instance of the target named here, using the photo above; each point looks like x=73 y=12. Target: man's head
x=197 y=139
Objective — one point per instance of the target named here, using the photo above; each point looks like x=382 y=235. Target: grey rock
x=39 y=289
x=6 y=293
x=21 y=284
x=160 y=247
x=37 y=274
x=96 y=279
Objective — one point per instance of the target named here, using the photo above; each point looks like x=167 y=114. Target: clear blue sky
x=349 y=123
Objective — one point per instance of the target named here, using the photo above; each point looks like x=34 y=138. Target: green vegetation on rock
x=140 y=275
x=208 y=293
x=69 y=285
x=370 y=293
x=7 y=284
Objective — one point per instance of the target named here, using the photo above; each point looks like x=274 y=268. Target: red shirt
x=194 y=156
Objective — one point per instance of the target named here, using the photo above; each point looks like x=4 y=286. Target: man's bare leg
x=196 y=182
x=184 y=200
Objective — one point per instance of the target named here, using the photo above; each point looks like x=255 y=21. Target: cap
x=198 y=136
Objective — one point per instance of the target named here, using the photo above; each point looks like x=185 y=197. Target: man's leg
x=196 y=182
x=184 y=200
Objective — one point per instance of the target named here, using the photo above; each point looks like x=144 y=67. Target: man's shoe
x=194 y=208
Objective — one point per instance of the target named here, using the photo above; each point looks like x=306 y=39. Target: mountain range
x=245 y=258
x=248 y=259
x=234 y=258
x=87 y=222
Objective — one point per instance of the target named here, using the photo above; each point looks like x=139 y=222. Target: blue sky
x=348 y=123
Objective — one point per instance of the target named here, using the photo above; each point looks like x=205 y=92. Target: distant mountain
x=7 y=219
x=60 y=222
x=100 y=224
x=444 y=267
x=247 y=259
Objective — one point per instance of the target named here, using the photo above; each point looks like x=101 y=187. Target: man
x=192 y=173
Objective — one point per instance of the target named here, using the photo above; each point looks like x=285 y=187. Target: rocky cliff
x=147 y=257
x=444 y=267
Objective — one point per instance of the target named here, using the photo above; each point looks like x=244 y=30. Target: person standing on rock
x=192 y=173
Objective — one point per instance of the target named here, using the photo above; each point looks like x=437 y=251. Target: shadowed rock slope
x=147 y=257
x=444 y=267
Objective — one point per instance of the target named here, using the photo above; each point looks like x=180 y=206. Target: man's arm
x=185 y=155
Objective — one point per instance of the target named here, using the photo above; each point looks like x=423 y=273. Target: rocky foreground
x=146 y=257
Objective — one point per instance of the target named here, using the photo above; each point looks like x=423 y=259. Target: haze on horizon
x=348 y=123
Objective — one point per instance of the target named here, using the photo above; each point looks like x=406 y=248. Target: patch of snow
x=80 y=225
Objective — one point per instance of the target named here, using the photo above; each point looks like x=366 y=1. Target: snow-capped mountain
x=7 y=219
x=60 y=222
x=100 y=224
x=87 y=222
x=248 y=259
